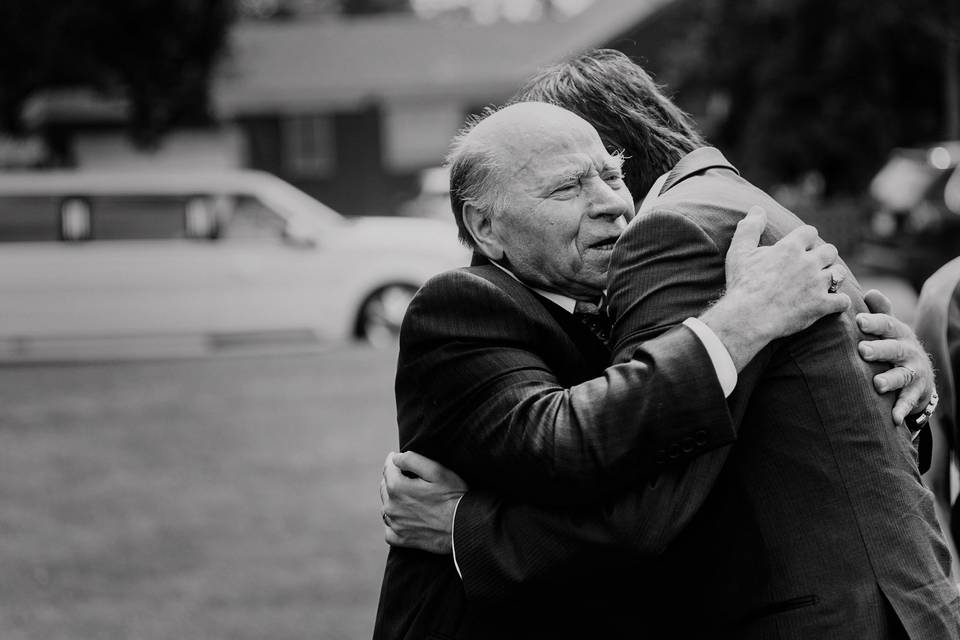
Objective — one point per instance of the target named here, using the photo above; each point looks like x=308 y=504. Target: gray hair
x=473 y=176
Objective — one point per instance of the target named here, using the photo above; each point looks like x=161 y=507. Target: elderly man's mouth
x=603 y=245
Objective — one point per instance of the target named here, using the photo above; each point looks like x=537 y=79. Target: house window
x=308 y=145
x=418 y=133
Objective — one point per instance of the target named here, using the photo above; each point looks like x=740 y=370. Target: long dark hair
x=627 y=108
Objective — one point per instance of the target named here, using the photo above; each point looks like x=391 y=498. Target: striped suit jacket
x=511 y=392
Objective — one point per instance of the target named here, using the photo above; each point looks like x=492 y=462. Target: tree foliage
x=817 y=85
x=159 y=54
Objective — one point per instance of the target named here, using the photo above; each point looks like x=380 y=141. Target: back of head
x=626 y=107
x=472 y=175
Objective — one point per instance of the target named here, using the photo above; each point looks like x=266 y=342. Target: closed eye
x=567 y=188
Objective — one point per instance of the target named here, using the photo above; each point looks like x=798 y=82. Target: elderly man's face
x=564 y=205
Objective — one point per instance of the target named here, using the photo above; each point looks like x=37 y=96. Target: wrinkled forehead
x=542 y=148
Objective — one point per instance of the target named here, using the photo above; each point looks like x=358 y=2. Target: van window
x=251 y=220
x=138 y=217
x=308 y=145
x=29 y=218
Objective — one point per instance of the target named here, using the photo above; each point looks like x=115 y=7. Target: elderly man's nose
x=607 y=202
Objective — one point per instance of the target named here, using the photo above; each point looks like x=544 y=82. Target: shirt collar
x=566 y=303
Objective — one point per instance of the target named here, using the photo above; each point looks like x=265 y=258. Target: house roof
x=331 y=64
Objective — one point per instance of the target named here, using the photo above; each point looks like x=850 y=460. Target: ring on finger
x=834 y=283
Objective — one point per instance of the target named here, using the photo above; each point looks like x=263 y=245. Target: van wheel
x=380 y=315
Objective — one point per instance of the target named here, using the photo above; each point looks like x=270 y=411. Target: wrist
x=738 y=328
x=917 y=420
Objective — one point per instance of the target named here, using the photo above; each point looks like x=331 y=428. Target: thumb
x=747 y=236
x=411 y=462
x=877 y=302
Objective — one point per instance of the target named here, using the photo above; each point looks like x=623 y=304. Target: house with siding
x=351 y=111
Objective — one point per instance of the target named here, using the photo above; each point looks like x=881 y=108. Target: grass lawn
x=230 y=498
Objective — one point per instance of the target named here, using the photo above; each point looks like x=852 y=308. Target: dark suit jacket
x=818 y=526
x=502 y=386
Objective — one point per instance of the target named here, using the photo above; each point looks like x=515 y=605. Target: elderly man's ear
x=480 y=226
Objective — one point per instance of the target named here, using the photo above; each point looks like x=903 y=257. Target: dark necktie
x=595 y=318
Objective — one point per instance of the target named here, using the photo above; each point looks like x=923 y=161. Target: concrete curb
x=99 y=348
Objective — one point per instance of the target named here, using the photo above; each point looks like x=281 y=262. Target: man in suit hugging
x=598 y=508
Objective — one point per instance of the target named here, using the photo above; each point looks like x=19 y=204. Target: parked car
x=224 y=257
x=433 y=200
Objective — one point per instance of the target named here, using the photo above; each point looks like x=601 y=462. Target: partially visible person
x=938 y=326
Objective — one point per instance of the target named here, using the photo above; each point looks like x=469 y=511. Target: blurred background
x=214 y=212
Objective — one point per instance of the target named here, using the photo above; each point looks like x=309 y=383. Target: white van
x=98 y=264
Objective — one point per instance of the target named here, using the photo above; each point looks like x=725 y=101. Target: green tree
x=158 y=54
x=803 y=85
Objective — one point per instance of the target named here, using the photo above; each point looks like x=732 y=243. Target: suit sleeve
x=507 y=549
x=666 y=269
x=488 y=404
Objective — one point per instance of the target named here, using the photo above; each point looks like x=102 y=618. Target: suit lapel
x=697 y=161
x=592 y=355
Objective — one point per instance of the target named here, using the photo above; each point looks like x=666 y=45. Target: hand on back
x=774 y=291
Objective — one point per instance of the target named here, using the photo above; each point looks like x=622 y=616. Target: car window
x=29 y=218
x=137 y=217
x=252 y=221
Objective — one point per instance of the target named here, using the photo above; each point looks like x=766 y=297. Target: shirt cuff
x=719 y=356
x=453 y=546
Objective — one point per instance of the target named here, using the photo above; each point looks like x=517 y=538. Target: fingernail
x=879 y=383
x=861 y=321
x=866 y=350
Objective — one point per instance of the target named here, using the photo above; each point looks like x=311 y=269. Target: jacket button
x=673 y=451
x=701 y=437
x=688 y=445
x=660 y=457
